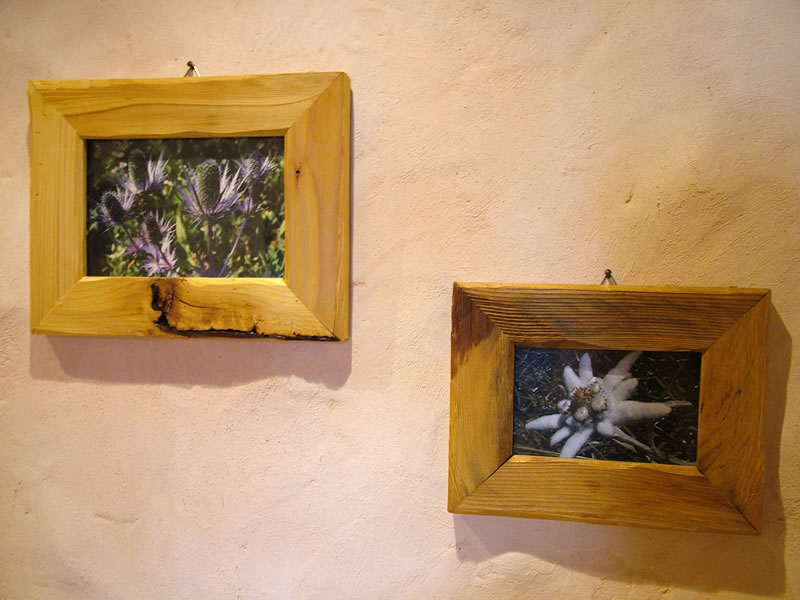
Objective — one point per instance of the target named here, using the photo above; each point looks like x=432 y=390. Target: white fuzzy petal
x=545 y=422
x=621 y=370
x=624 y=366
x=624 y=390
x=571 y=379
x=585 y=368
x=625 y=413
x=560 y=435
x=576 y=441
x=674 y=403
x=605 y=428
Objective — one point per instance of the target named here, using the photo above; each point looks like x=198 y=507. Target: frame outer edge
x=51 y=282
x=35 y=105
x=729 y=511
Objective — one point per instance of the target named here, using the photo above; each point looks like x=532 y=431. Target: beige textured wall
x=506 y=141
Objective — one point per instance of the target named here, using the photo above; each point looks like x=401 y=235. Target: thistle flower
x=135 y=245
x=252 y=170
x=114 y=206
x=599 y=406
x=255 y=167
x=248 y=205
x=155 y=240
x=155 y=229
x=161 y=259
x=143 y=175
x=210 y=194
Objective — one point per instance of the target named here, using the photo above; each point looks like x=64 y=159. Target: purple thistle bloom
x=144 y=176
x=136 y=245
x=114 y=206
x=161 y=259
x=155 y=228
x=248 y=205
x=155 y=240
x=211 y=194
x=253 y=169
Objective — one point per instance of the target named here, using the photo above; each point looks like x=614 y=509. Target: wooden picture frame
x=312 y=300
x=721 y=494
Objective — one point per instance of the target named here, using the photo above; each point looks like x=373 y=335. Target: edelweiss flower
x=599 y=406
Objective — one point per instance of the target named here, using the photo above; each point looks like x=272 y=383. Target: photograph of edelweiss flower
x=191 y=207
x=607 y=404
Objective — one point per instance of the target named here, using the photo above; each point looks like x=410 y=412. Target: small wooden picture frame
x=312 y=300
x=722 y=493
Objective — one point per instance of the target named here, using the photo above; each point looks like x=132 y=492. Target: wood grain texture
x=481 y=407
x=311 y=109
x=621 y=317
x=728 y=325
x=317 y=176
x=730 y=435
x=642 y=495
x=255 y=105
x=188 y=307
x=58 y=222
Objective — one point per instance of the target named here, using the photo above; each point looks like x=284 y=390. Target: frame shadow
x=736 y=563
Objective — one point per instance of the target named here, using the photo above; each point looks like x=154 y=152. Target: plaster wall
x=493 y=141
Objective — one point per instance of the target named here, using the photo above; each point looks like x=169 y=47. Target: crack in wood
x=163 y=300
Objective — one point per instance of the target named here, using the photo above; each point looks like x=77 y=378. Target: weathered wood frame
x=311 y=111
x=721 y=494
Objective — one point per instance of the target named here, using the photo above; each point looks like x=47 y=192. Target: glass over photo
x=607 y=404
x=190 y=207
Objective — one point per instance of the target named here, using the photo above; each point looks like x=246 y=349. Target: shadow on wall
x=209 y=362
x=698 y=561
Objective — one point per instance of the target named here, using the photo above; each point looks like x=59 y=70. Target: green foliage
x=155 y=233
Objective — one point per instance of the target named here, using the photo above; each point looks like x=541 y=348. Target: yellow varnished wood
x=58 y=218
x=723 y=493
x=144 y=306
x=317 y=176
x=253 y=105
x=311 y=109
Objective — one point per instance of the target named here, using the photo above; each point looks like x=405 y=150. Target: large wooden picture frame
x=728 y=326
x=312 y=112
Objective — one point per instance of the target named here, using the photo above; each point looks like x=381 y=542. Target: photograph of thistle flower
x=607 y=404
x=186 y=207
